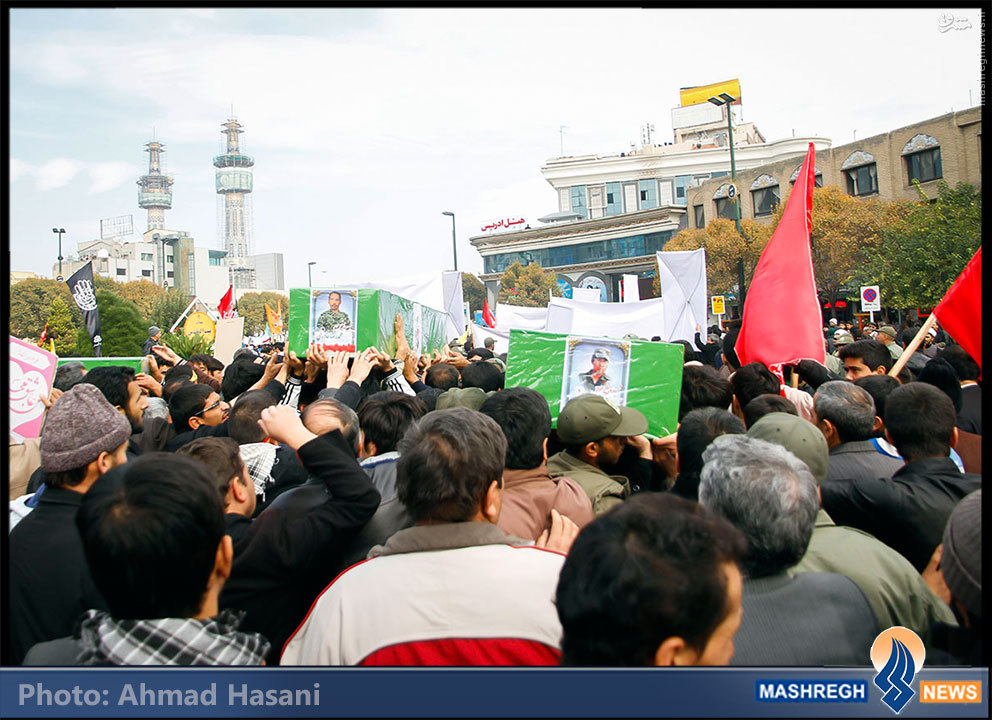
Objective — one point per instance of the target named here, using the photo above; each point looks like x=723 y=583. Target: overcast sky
x=367 y=124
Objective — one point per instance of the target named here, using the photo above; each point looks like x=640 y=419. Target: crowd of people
x=382 y=508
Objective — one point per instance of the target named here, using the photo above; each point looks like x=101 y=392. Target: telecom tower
x=155 y=189
x=234 y=184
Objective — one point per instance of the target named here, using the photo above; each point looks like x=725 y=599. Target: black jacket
x=288 y=554
x=707 y=352
x=49 y=583
x=908 y=512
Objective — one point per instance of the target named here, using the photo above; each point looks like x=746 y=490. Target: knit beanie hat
x=80 y=425
x=961 y=558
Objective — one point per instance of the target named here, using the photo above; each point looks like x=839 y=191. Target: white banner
x=631 y=293
x=586 y=294
x=515 y=317
x=645 y=318
x=683 y=287
x=502 y=338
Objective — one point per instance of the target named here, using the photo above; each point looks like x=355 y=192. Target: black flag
x=83 y=292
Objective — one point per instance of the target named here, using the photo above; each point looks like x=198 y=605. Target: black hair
x=879 y=387
x=222 y=458
x=482 y=352
x=66 y=478
x=482 y=375
x=169 y=387
x=212 y=364
x=239 y=376
x=186 y=402
x=68 y=375
x=448 y=460
x=729 y=352
x=752 y=380
x=429 y=397
x=151 y=544
x=920 y=420
x=247 y=353
x=112 y=381
x=386 y=416
x=870 y=352
x=184 y=372
x=764 y=404
x=696 y=431
x=443 y=376
x=940 y=373
x=689 y=354
x=649 y=570
x=242 y=420
x=704 y=386
x=525 y=419
x=964 y=365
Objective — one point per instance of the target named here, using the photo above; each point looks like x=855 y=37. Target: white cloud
x=19 y=168
x=108 y=175
x=56 y=172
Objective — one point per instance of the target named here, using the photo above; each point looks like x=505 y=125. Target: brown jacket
x=530 y=495
x=24 y=459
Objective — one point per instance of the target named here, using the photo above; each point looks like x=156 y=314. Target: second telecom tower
x=234 y=185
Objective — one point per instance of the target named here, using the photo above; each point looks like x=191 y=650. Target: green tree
x=723 y=248
x=527 y=286
x=165 y=310
x=30 y=303
x=61 y=328
x=251 y=306
x=121 y=326
x=143 y=294
x=926 y=247
x=474 y=292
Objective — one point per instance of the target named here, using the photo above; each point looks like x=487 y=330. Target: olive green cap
x=592 y=417
x=797 y=435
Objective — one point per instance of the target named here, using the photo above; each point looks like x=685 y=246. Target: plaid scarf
x=259 y=459
x=105 y=640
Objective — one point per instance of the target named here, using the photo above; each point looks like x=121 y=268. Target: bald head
x=326 y=415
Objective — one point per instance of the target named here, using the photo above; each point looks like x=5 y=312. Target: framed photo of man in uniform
x=333 y=320
x=596 y=365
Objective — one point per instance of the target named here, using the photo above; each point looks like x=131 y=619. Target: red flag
x=226 y=305
x=782 y=322
x=960 y=311
x=44 y=334
x=487 y=315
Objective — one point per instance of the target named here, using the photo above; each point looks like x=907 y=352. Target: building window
x=578 y=195
x=648 y=193
x=630 y=197
x=924 y=166
x=860 y=171
x=169 y=274
x=764 y=194
x=214 y=261
x=725 y=209
x=146 y=273
x=595 y=201
x=700 y=216
x=817 y=176
x=168 y=258
x=681 y=183
x=122 y=271
x=564 y=203
x=147 y=257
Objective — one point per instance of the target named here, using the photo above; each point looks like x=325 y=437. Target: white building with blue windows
x=615 y=211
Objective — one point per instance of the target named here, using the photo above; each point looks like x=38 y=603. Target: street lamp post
x=454 y=248
x=59 y=231
x=309 y=274
x=726 y=99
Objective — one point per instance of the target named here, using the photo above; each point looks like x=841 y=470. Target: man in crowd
x=708 y=352
x=654 y=582
x=908 y=511
x=887 y=336
x=229 y=476
x=496 y=601
x=595 y=432
x=845 y=414
x=703 y=386
x=196 y=406
x=121 y=388
x=863 y=358
x=770 y=496
x=530 y=492
x=970 y=416
x=158 y=554
x=84 y=437
x=291 y=550
x=154 y=335
x=764 y=404
x=696 y=431
x=896 y=591
x=443 y=376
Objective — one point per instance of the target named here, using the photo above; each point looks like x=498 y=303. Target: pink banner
x=31 y=373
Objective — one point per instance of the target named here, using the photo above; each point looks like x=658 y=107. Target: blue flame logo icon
x=897 y=654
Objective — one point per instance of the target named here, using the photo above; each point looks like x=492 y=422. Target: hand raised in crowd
x=294 y=364
x=410 y=365
x=337 y=369
x=282 y=423
x=272 y=367
x=315 y=360
x=402 y=344
x=153 y=368
x=382 y=361
x=642 y=445
x=453 y=358
x=665 y=451
x=149 y=383
x=560 y=536
x=362 y=365
x=49 y=400
x=168 y=353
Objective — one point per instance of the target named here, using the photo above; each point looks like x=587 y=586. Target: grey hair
x=848 y=407
x=448 y=459
x=345 y=416
x=767 y=493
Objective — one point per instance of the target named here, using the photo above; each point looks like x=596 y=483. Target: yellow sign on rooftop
x=702 y=93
